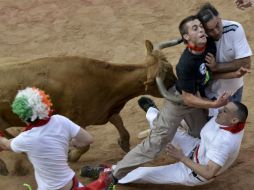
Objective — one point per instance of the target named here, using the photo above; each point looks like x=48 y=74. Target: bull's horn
x=170 y=43
x=167 y=94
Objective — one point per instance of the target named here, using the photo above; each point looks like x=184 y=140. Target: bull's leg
x=3 y=169
x=124 y=140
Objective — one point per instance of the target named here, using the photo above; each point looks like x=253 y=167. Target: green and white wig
x=31 y=104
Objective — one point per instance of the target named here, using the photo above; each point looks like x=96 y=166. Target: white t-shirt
x=232 y=45
x=218 y=145
x=47 y=149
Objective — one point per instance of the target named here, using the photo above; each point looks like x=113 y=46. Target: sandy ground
x=113 y=31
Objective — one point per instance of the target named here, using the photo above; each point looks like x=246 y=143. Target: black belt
x=191 y=157
x=196 y=176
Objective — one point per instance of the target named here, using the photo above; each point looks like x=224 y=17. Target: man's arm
x=206 y=171
x=229 y=66
x=229 y=75
x=83 y=138
x=198 y=102
x=242 y=4
x=5 y=144
x=234 y=65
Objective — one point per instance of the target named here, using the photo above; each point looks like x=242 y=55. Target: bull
x=88 y=91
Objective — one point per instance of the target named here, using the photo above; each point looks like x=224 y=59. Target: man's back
x=47 y=149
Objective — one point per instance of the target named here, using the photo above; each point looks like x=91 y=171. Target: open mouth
x=203 y=36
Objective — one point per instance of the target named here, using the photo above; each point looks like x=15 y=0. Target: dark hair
x=182 y=26
x=242 y=111
x=206 y=13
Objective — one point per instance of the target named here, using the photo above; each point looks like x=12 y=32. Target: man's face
x=227 y=115
x=214 y=28
x=196 y=33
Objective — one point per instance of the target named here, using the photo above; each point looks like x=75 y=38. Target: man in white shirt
x=46 y=140
x=233 y=52
x=200 y=160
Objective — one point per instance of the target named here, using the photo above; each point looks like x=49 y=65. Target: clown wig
x=31 y=104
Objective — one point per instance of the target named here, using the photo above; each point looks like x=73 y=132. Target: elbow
x=90 y=140
x=187 y=101
x=209 y=176
x=247 y=63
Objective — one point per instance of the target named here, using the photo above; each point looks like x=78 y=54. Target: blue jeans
x=237 y=96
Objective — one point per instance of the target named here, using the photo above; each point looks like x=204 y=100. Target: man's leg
x=196 y=120
x=166 y=125
x=237 y=96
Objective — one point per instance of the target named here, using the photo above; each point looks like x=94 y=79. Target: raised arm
x=198 y=102
x=242 y=4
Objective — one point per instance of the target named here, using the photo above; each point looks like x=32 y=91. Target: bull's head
x=160 y=70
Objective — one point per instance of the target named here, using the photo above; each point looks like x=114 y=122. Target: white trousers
x=176 y=173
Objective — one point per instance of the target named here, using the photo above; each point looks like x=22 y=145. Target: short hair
x=206 y=13
x=182 y=26
x=242 y=111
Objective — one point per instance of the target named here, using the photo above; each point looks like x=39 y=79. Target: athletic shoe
x=145 y=103
x=91 y=171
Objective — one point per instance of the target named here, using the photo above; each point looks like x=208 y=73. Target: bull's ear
x=149 y=46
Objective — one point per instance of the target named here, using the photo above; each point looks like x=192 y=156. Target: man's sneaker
x=102 y=183
x=145 y=103
x=91 y=171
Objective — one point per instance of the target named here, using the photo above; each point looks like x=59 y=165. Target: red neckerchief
x=235 y=128
x=195 y=48
x=39 y=122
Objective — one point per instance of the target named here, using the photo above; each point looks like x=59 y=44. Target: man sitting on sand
x=199 y=160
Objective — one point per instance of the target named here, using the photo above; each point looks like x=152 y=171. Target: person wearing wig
x=46 y=140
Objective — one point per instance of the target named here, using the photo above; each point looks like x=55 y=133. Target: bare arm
x=242 y=4
x=83 y=138
x=5 y=144
x=229 y=66
x=234 y=65
x=198 y=102
x=206 y=171
x=229 y=75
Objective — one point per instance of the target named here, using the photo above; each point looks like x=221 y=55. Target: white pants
x=176 y=173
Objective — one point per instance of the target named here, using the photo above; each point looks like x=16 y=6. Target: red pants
x=100 y=184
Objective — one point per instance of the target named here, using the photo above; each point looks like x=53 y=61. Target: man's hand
x=242 y=4
x=211 y=63
x=242 y=71
x=222 y=100
x=174 y=152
